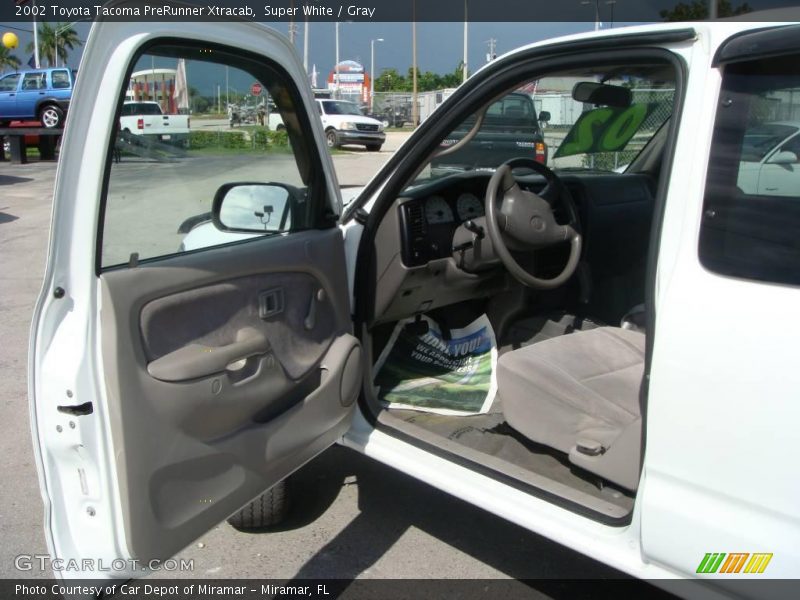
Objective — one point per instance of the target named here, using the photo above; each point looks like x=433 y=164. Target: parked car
x=43 y=95
x=770 y=159
x=388 y=116
x=510 y=128
x=636 y=374
x=344 y=125
x=147 y=119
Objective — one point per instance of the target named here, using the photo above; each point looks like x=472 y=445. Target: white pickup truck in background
x=148 y=119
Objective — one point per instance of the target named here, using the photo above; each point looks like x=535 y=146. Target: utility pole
x=415 y=106
x=336 y=67
x=35 y=39
x=492 y=49
x=596 y=12
x=292 y=26
x=305 y=46
x=372 y=73
x=712 y=9
x=466 y=45
x=611 y=3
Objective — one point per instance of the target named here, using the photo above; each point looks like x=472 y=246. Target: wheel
x=399 y=123
x=373 y=147
x=333 y=139
x=524 y=221
x=268 y=510
x=385 y=122
x=51 y=116
x=280 y=127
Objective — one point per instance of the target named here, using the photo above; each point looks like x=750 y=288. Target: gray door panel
x=222 y=384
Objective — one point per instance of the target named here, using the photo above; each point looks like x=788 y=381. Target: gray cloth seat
x=579 y=393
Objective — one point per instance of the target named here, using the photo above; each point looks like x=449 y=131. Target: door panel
x=201 y=446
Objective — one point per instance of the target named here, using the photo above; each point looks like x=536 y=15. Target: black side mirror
x=252 y=207
x=590 y=92
x=544 y=116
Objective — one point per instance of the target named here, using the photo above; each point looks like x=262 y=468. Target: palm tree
x=58 y=38
x=8 y=60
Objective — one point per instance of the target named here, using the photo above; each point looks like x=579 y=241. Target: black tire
x=374 y=147
x=332 y=138
x=399 y=123
x=51 y=116
x=268 y=510
x=280 y=127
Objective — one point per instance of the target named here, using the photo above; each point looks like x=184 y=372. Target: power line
x=18 y=28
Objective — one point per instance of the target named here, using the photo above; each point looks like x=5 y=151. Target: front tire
x=51 y=116
x=374 y=148
x=268 y=510
x=332 y=138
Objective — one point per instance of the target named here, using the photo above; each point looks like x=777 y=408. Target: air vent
x=416 y=219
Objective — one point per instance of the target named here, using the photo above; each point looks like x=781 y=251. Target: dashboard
x=429 y=220
x=430 y=215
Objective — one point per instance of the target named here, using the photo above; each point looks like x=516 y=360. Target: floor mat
x=453 y=376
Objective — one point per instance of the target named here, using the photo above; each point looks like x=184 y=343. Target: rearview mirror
x=784 y=157
x=252 y=207
x=601 y=93
x=544 y=116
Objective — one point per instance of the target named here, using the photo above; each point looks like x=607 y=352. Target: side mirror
x=784 y=157
x=590 y=92
x=544 y=116
x=252 y=207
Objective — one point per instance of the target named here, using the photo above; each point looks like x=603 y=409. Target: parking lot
x=353 y=517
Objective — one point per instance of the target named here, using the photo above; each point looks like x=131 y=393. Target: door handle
x=198 y=360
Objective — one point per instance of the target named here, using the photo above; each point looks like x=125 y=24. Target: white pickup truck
x=641 y=379
x=344 y=124
x=148 y=119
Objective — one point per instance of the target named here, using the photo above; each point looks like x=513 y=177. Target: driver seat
x=579 y=393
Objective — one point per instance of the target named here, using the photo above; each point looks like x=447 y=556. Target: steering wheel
x=524 y=221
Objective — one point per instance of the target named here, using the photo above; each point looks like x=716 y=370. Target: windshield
x=758 y=141
x=337 y=107
x=594 y=119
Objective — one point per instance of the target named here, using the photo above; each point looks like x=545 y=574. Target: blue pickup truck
x=41 y=94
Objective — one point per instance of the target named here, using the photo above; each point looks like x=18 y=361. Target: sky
x=439 y=45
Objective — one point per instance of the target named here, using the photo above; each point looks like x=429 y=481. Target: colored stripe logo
x=734 y=562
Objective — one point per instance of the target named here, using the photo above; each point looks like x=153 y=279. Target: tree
x=698 y=10
x=389 y=81
x=58 y=38
x=8 y=60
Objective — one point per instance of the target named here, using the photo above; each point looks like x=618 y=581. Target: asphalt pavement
x=353 y=517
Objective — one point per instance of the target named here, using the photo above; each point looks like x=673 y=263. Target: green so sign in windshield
x=604 y=129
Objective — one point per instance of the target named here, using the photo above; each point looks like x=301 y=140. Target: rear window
x=140 y=108
x=60 y=79
x=512 y=106
x=751 y=216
